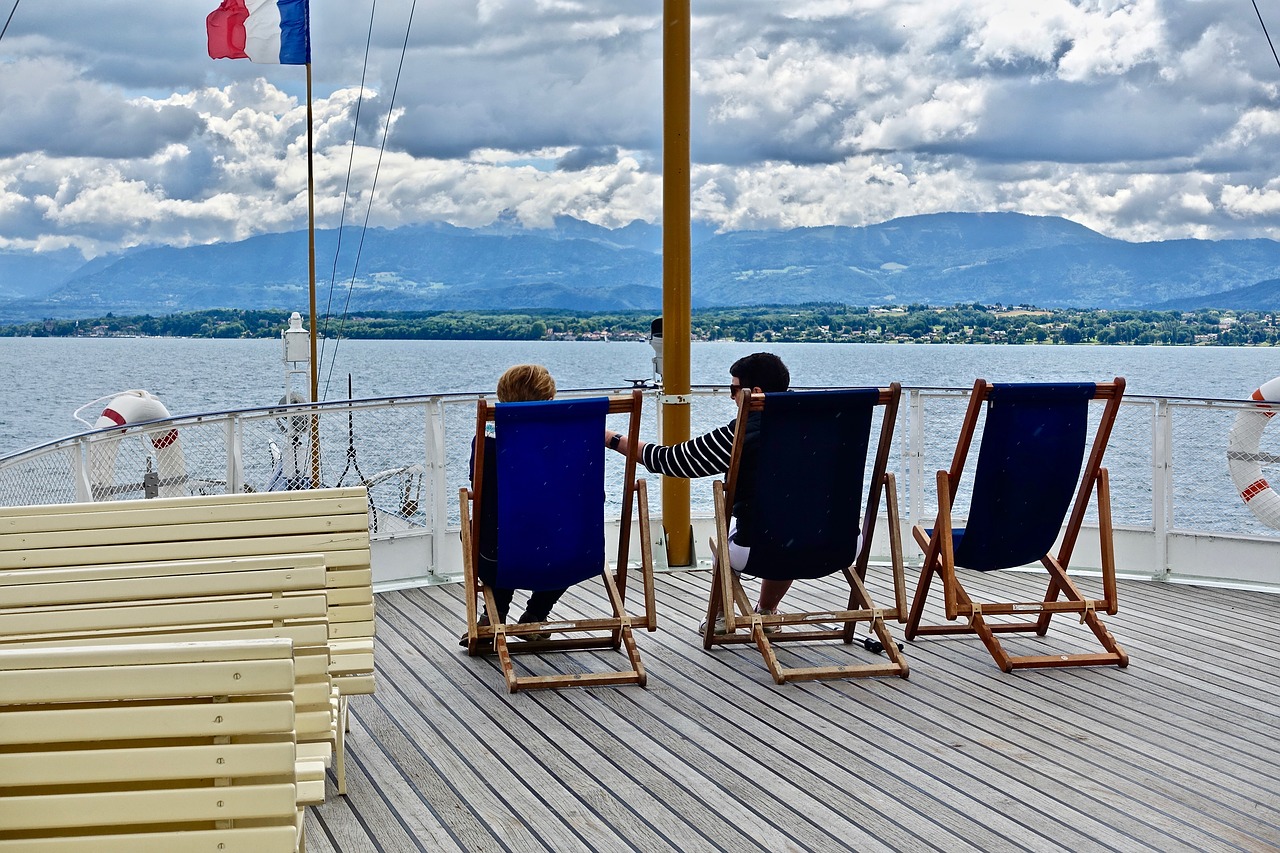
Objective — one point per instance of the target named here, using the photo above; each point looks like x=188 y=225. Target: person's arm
x=619 y=442
x=704 y=456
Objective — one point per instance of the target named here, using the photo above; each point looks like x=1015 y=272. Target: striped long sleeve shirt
x=704 y=456
x=708 y=455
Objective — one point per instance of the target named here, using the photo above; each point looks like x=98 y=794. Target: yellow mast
x=676 y=276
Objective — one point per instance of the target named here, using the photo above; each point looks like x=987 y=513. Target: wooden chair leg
x=714 y=605
x=927 y=571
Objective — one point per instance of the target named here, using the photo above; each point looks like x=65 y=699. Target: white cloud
x=1138 y=118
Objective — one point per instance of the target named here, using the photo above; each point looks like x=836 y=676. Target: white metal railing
x=1177 y=512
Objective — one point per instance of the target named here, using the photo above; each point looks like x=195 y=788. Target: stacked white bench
x=296 y=525
x=187 y=600
x=149 y=748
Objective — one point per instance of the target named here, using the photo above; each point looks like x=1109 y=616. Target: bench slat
x=340 y=549
x=148 y=681
x=121 y=808
x=165 y=531
x=159 y=568
x=192 y=509
x=142 y=653
x=304 y=634
x=220 y=611
x=44 y=592
x=146 y=764
x=354 y=685
x=41 y=724
x=254 y=839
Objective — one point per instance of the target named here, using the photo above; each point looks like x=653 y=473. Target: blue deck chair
x=550 y=465
x=1031 y=461
x=809 y=472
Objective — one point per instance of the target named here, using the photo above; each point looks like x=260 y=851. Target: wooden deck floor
x=1177 y=752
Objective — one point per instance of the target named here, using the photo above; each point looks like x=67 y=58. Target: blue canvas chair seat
x=808 y=473
x=808 y=527
x=550 y=532
x=551 y=506
x=1031 y=463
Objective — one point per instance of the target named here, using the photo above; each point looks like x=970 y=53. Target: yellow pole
x=676 y=276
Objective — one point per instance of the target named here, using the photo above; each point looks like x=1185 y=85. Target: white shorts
x=738 y=554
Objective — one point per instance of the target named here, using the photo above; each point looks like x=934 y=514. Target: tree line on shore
x=819 y=323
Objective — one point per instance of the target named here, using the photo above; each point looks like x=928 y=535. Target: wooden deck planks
x=544 y=736
x=1176 y=752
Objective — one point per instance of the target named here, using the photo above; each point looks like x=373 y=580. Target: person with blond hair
x=521 y=383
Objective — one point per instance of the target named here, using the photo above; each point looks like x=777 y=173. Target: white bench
x=148 y=748
x=246 y=598
x=330 y=522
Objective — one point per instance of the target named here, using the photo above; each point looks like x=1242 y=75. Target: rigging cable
x=346 y=194
x=9 y=20
x=386 y=129
x=1258 y=12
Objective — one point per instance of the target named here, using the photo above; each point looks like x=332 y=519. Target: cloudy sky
x=1145 y=120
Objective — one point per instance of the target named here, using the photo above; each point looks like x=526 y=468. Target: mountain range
x=936 y=259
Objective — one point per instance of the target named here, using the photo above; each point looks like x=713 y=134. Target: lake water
x=46 y=379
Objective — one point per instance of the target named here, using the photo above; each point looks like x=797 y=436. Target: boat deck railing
x=1172 y=494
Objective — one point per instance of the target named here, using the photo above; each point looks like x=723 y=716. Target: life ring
x=133 y=407
x=290 y=465
x=1245 y=462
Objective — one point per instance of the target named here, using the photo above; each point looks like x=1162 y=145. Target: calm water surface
x=45 y=379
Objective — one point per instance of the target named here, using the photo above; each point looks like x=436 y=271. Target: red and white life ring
x=1244 y=460
x=134 y=407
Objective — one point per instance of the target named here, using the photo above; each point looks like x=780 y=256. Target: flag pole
x=311 y=283
x=311 y=241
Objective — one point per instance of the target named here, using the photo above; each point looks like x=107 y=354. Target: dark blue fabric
x=1033 y=445
x=550 y=470
x=809 y=469
x=295 y=32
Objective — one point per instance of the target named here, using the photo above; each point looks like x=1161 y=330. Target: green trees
x=819 y=322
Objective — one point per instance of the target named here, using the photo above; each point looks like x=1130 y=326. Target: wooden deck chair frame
x=1062 y=595
x=612 y=632
x=815 y=625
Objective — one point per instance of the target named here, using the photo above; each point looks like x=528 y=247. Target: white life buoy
x=133 y=407
x=1245 y=462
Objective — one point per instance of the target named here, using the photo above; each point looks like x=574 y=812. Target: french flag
x=271 y=31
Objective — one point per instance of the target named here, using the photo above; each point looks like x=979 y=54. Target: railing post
x=1161 y=483
x=435 y=467
x=80 y=471
x=913 y=455
x=235 y=455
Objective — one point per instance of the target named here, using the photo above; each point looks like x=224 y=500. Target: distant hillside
x=939 y=259
x=31 y=275
x=1263 y=296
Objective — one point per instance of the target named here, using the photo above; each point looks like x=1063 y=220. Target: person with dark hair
x=519 y=384
x=710 y=453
